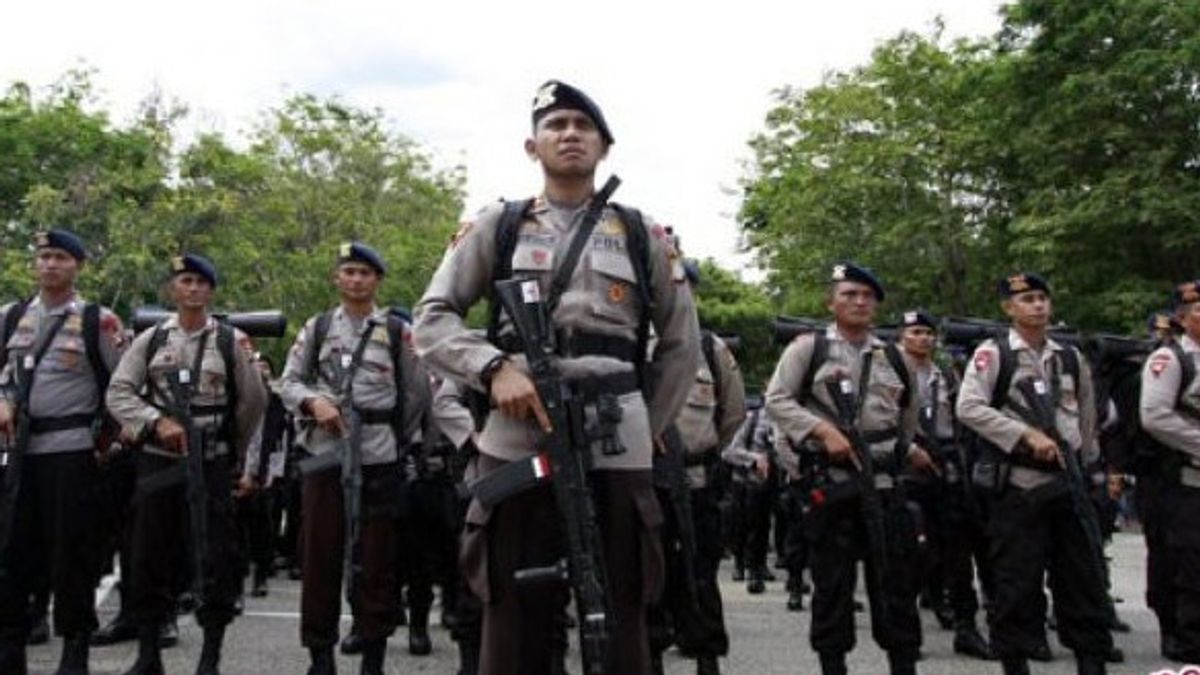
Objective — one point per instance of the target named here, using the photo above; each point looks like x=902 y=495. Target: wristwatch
x=485 y=375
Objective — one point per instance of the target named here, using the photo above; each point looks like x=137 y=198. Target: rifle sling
x=562 y=278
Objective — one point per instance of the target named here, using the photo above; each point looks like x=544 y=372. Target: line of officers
x=628 y=281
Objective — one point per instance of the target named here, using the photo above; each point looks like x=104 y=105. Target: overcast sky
x=683 y=88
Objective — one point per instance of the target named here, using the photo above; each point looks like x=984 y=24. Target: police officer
x=953 y=525
x=848 y=357
x=190 y=351
x=1170 y=397
x=714 y=411
x=62 y=348
x=599 y=317
x=358 y=347
x=1034 y=529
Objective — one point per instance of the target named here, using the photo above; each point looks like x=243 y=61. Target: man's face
x=56 y=269
x=852 y=304
x=356 y=282
x=918 y=340
x=191 y=291
x=1189 y=317
x=567 y=143
x=1030 y=309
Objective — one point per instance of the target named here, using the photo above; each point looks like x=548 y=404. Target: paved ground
x=766 y=638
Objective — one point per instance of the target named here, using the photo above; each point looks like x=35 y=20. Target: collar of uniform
x=833 y=334
x=71 y=306
x=1016 y=342
x=172 y=323
x=1189 y=345
x=377 y=313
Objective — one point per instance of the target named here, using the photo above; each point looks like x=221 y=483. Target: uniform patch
x=612 y=227
x=617 y=292
x=983 y=360
x=1158 y=364
x=540 y=256
x=379 y=334
x=68 y=359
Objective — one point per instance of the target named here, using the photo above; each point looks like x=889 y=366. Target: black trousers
x=1035 y=534
x=1183 y=543
x=521 y=623
x=698 y=626
x=256 y=533
x=964 y=549
x=758 y=502
x=162 y=548
x=52 y=546
x=1161 y=562
x=838 y=541
x=795 y=545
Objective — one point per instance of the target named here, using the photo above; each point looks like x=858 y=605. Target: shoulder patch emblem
x=983 y=360
x=1159 y=363
x=463 y=228
x=617 y=292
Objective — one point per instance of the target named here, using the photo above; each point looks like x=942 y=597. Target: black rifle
x=348 y=457
x=566 y=452
x=670 y=474
x=14 y=458
x=871 y=504
x=1042 y=403
x=178 y=406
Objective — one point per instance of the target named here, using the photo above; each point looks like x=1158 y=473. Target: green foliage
x=728 y=305
x=317 y=173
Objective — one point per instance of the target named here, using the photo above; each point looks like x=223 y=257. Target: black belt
x=880 y=436
x=571 y=344
x=377 y=415
x=208 y=410
x=42 y=425
x=692 y=459
x=592 y=386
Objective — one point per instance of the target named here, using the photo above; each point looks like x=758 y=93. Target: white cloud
x=683 y=86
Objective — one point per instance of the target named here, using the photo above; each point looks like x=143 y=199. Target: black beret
x=192 y=262
x=356 y=251
x=1022 y=282
x=691 y=270
x=918 y=317
x=849 y=271
x=555 y=95
x=1186 y=293
x=67 y=241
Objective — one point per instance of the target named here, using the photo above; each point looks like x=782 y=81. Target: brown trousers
x=321 y=544
x=522 y=627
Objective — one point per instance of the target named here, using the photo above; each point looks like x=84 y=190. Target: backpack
x=397 y=319
x=91 y=338
x=1126 y=446
x=709 y=348
x=820 y=354
x=637 y=245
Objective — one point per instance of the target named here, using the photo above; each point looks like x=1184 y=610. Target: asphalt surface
x=766 y=638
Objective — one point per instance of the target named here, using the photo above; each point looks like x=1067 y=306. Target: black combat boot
x=74 y=659
x=1090 y=664
x=739 y=569
x=168 y=633
x=969 y=642
x=656 y=664
x=12 y=658
x=757 y=583
x=1015 y=666
x=372 y=657
x=352 y=643
x=210 y=653
x=39 y=631
x=149 y=660
x=322 y=661
x=707 y=665
x=468 y=657
x=833 y=663
x=418 y=632
x=902 y=662
x=120 y=629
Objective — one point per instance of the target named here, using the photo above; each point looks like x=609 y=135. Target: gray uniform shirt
x=698 y=425
x=1169 y=415
x=374 y=386
x=880 y=409
x=64 y=382
x=601 y=299
x=137 y=406
x=1075 y=416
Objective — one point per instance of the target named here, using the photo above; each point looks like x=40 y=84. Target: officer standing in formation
x=848 y=357
x=358 y=349
x=952 y=515
x=192 y=354
x=706 y=425
x=57 y=353
x=600 y=316
x=1170 y=413
x=1034 y=529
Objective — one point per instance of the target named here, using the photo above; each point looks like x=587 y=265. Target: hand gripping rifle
x=565 y=453
x=348 y=457
x=670 y=474
x=841 y=392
